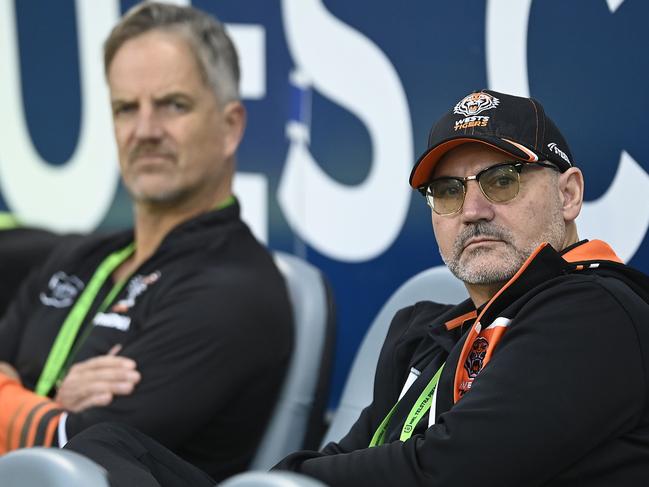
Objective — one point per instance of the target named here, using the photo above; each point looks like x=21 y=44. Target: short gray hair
x=214 y=50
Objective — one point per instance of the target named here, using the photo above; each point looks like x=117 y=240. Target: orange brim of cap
x=425 y=165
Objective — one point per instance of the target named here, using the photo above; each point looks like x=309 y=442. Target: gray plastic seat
x=271 y=479
x=299 y=412
x=49 y=467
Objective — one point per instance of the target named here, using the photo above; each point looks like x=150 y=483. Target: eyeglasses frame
x=517 y=165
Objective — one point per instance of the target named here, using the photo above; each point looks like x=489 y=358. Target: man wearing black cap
x=542 y=376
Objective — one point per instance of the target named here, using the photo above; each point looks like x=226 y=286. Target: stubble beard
x=160 y=199
x=488 y=266
x=156 y=197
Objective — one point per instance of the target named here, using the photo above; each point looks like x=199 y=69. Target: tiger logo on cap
x=475 y=103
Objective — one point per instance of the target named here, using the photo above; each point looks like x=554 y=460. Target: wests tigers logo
x=475 y=103
x=475 y=360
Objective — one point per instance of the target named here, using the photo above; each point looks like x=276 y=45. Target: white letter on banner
x=348 y=223
x=74 y=196
x=252 y=188
x=506 y=46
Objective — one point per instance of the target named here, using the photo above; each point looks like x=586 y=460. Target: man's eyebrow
x=120 y=104
x=121 y=101
x=175 y=95
x=166 y=96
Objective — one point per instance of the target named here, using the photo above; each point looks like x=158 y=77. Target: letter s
x=75 y=196
x=346 y=223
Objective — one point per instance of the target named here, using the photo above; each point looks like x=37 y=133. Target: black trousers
x=132 y=459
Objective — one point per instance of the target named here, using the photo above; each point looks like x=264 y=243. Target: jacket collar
x=590 y=251
x=543 y=265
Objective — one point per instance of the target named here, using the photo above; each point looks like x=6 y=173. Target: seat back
x=299 y=413
x=271 y=479
x=38 y=467
x=434 y=284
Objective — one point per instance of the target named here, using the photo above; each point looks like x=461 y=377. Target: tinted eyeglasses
x=499 y=184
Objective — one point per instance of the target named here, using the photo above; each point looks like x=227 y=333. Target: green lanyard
x=70 y=328
x=8 y=221
x=421 y=407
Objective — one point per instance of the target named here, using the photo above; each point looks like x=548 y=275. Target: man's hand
x=8 y=370
x=94 y=382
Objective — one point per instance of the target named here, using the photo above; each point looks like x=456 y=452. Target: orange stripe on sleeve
x=9 y=441
x=21 y=412
x=49 y=432
x=41 y=413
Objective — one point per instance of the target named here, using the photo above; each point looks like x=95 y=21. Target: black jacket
x=561 y=402
x=206 y=318
x=23 y=249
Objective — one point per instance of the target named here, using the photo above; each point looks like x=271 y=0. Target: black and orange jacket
x=206 y=318
x=546 y=384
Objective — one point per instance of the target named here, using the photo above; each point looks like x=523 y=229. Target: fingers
x=98 y=394
x=118 y=387
x=96 y=381
x=95 y=400
x=117 y=372
x=104 y=361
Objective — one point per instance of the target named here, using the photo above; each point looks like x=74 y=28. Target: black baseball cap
x=514 y=125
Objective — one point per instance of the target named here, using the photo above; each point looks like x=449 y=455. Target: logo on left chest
x=115 y=318
x=136 y=286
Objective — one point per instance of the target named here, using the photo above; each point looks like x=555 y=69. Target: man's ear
x=234 y=120
x=571 y=188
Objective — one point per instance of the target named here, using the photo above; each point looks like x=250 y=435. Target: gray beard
x=504 y=270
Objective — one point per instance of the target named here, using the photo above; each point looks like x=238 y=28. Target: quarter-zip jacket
x=206 y=318
x=557 y=399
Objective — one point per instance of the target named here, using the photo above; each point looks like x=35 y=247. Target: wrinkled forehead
x=469 y=159
x=155 y=63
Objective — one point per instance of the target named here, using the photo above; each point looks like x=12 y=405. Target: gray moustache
x=480 y=230
x=138 y=153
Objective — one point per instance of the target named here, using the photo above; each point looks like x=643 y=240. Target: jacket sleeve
x=209 y=351
x=26 y=419
x=13 y=321
x=11 y=324
x=566 y=377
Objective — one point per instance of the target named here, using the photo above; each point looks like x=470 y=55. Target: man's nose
x=148 y=125
x=476 y=205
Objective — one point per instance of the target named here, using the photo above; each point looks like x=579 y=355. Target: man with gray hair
x=176 y=326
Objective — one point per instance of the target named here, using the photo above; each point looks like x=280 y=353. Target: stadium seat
x=298 y=420
x=271 y=479
x=49 y=467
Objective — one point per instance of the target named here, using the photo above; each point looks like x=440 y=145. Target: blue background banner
x=340 y=97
